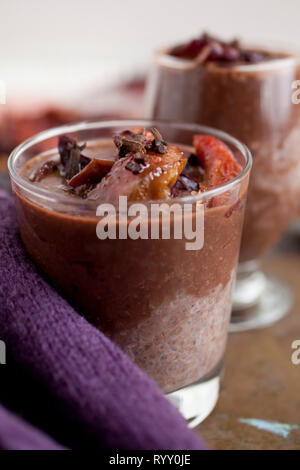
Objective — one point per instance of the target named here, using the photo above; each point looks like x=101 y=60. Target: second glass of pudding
x=166 y=305
x=248 y=93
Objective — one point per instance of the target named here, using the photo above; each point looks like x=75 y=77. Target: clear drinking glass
x=166 y=306
x=254 y=104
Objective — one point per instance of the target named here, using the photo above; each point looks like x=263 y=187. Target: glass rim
x=94 y=125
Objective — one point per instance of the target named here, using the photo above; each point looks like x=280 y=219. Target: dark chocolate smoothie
x=167 y=307
x=248 y=94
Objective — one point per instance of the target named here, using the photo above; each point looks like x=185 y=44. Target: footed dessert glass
x=252 y=102
x=166 y=306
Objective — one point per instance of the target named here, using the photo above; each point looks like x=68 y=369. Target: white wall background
x=49 y=46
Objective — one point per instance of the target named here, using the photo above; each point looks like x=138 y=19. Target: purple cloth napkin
x=15 y=434
x=65 y=376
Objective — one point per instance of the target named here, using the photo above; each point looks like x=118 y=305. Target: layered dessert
x=167 y=307
x=246 y=92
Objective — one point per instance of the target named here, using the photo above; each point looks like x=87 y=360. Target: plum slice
x=92 y=173
x=219 y=163
x=141 y=176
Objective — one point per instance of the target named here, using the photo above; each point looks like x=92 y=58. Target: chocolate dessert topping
x=92 y=173
x=211 y=164
x=134 y=167
x=138 y=163
x=129 y=142
x=193 y=160
x=142 y=141
x=185 y=183
x=71 y=157
x=158 y=144
x=208 y=48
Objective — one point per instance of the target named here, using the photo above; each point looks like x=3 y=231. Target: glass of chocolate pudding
x=160 y=286
x=247 y=93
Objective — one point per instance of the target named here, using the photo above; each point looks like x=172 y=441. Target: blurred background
x=59 y=48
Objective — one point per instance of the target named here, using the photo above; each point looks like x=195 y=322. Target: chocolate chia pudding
x=248 y=94
x=167 y=307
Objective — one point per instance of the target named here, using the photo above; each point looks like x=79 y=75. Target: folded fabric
x=65 y=376
x=15 y=434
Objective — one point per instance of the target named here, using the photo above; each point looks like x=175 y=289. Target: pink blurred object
x=23 y=118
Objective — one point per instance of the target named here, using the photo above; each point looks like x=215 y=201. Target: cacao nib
x=130 y=146
x=125 y=134
x=46 y=169
x=64 y=145
x=140 y=158
x=158 y=144
x=71 y=158
x=129 y=142
x=137 y=163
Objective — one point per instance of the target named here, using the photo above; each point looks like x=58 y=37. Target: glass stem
x=250 y=284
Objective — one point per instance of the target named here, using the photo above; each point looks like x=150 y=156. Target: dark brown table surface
x=260 y=382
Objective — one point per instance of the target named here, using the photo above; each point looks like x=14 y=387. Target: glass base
x=258 y=300
x=198 y=400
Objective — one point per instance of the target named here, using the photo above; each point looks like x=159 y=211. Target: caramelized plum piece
x=154 y=181
x=46 y=169
x=184 y=183
x=216 y=158
x=92 y=173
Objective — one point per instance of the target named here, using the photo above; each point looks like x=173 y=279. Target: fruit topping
x=92 y=173
x=140 y=141
x=208 y=48
x=184 y=183
x=146 y=168
x=152 y=178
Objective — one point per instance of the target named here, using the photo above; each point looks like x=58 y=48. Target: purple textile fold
x=65 y=376
x=15 y=434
